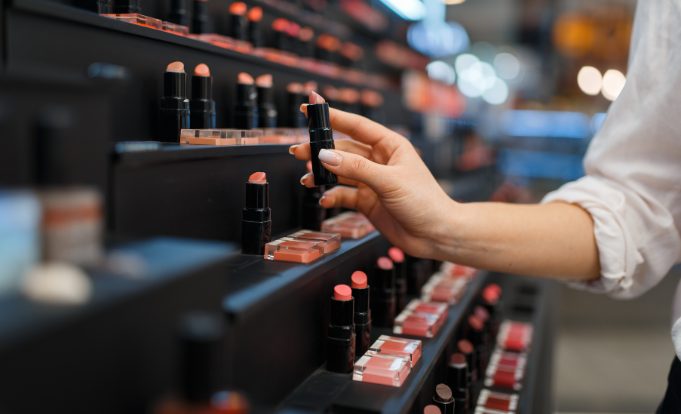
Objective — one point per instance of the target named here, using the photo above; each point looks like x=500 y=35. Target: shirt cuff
x=606 y=206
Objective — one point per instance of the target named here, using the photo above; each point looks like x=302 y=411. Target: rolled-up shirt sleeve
x=632 y=187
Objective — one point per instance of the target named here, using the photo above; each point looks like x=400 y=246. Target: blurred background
x=535 y=79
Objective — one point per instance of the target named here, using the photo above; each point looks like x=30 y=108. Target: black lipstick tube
x=178 y=12
x=321 y=137
x=202 y=104
x=267 y=112
x=174 y=106
x=340 y=341
x=296 y=119
x=457 y=378
x=238 y=25
x=200 y=16
x=362 y=319
x=245 y=114
x=400 y=285
x=383 y=301
x=254 y=33
x=311 y=213
x=256 y=219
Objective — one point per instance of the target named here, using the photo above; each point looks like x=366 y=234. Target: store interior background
x=611 y=356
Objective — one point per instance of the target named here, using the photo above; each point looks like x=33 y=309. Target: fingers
x=357 y=168
x=307 y=180
x=340 y=196
x=302 y=151
x=362 y=129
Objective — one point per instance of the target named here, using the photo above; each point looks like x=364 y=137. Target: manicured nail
x=304 y=177
x=303 y=108
x=330 y=157
x=321 y=200
x=292 y=149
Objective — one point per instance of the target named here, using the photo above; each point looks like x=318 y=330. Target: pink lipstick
x=256 y=220
x=340 y=341
x=360 y=291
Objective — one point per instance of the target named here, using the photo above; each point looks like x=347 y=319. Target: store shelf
x=324 y=391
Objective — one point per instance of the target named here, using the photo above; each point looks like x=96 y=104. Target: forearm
x=554 y=239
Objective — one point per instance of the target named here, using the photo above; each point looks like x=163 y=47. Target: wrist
x=447 y=233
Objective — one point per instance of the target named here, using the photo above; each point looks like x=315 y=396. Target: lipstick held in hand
x=202 y=105
x=360 y=291
x=256 y=221
x=174 y=105
x=340 y=341
x=321 y=137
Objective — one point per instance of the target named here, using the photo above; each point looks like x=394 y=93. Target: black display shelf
x=338 y=393
x=72 y=14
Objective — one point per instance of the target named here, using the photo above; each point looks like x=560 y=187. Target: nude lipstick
x=397 y=256
x=202 y=104
x=340 y=341
x=444 y=398
x=256 y=219
x=245 y=115
x=383 y=301
x=237 y=20
x=174 y=105
x=321 y=137
x=360 y=291
x=267 y=111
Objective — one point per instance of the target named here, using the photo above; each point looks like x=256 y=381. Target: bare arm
x=384 y=178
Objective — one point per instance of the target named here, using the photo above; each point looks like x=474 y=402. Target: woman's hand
x=384 y=178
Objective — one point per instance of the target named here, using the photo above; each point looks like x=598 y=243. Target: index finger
x=363 y=129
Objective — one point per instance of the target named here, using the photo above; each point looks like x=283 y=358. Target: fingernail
x=315 y=98
x=303 y=108
x=292 y=149
x=321 y=200
x=304 y=177
x=330 y=157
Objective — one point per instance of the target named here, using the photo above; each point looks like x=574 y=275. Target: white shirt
x=632 y=187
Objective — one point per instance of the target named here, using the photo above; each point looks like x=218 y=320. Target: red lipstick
x=340 y=341
x=360 y=291
x=202 y=105
x=383 y=295
x=174 y=105
x=321 y=137
x=256 y=220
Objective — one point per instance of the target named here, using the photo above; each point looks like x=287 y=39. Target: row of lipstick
x=288 y=43
x=192 y=117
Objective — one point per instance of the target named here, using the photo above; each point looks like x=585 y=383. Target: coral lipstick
x=397 y=256
x=360 y=291
x=237 y=20
x=254 y=33
x=340 y=341
x=202 y=105
x=174 y=105
x=256 y=220
x=245 y=116
x=267 y=111
x=321 y=137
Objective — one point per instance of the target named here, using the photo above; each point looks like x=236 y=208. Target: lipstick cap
x=318 y=116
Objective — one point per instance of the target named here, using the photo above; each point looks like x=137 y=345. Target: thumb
x=355 y=167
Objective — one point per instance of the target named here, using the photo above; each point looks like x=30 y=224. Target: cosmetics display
x=350 y=225
x=186 y=205
x=256 y=220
